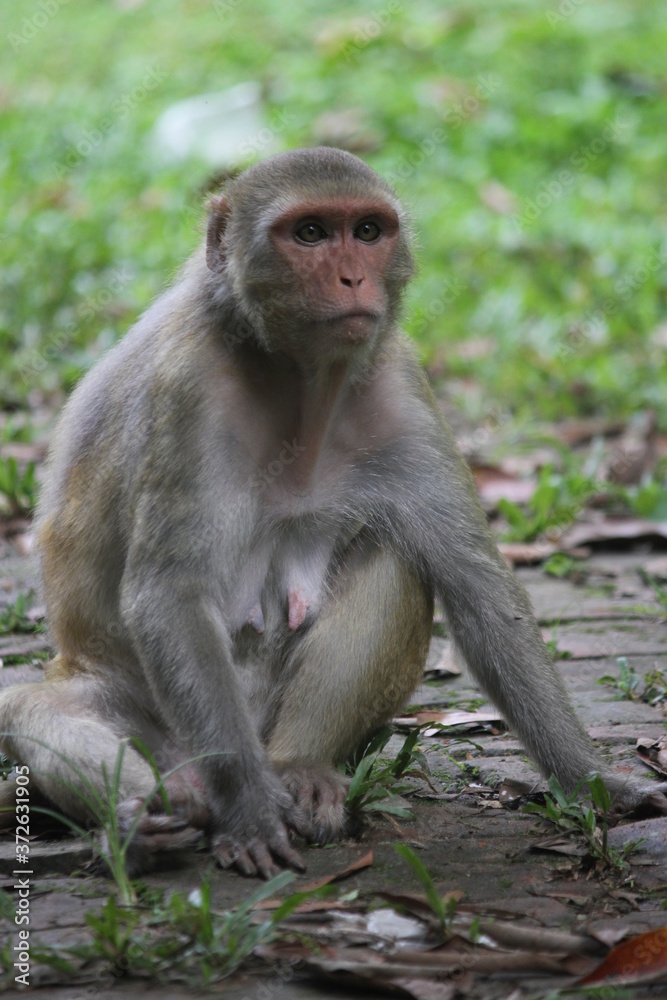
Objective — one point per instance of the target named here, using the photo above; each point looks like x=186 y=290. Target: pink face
x=339 y=251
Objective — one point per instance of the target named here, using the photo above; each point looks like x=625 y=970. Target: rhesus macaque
x=251 y=504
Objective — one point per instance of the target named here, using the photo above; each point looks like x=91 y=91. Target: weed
x=627 y=683
x=559 y=565
x=18 y=490
x=15 y=617
x=114 y=844
x=658 y=584
x=572 y=815
x=444 y=907
x=554 y=505
x=374 y=786
x=183 y=938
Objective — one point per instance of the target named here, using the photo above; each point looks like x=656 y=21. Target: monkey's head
x=311 y=241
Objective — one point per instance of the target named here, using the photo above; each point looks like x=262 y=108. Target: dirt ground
x=508 y=865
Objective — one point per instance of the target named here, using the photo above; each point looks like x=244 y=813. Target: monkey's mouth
x=357 y=317
x=354 y=327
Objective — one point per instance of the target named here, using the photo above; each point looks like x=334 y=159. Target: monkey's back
x=85 y=514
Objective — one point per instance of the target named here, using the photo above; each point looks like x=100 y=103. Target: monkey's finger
x=229 y=854
x=226 y=853
x=281 y=848
x=261 y=856
x=245 y=864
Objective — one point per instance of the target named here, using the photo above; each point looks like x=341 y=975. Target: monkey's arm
x=435 y=516
x=182 y=643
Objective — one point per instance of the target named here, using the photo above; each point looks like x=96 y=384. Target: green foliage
x=628 y=683
x=572 y=814
x=444 y=907
x=18 y=490
x=183 y=938
x=113 y=847
x=559 y=565
x=530 y=151
x=553 y=506
x=659 y=586
x=15 y=618
x=375 y=784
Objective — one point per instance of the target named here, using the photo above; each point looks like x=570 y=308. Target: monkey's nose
x=351 y=282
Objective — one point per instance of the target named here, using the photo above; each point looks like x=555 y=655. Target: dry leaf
x=363 y=862
x=445 y=665
x=642 y=959
x=611 y=529
x=452 y=719
x=493 y=485
x=526 y=553
x=561 y=845
x=657 y=567
x=654 y=753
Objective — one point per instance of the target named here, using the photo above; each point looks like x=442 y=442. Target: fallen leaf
x=654 y=753
x=363 y=862
x=574 y=432
x=642 y=959
x=561 y=845
x=445 y=665
x=657 y=567
x=449 y=719
x=417 y=904
x=635 y=451
x=526 y=553
x=493 y=485
x=610 y=529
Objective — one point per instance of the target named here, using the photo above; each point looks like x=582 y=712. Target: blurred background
x=528 y=139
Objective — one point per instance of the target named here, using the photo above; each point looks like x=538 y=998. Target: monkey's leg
x=356 y=666
x=58 y=729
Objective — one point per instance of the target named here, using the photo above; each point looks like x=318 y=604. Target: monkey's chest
x=284 y=579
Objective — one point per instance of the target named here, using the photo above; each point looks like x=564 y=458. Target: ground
x=506 y=864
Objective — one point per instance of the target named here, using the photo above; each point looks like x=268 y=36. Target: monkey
x=252 y=503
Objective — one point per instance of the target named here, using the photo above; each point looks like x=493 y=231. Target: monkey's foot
x=319 y=794
x=153 y=834
x=257 y=856
x=637 y=796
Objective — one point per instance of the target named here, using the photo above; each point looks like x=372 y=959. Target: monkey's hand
x=251 y=834
x=318 y=793
x=628 y=794
x=153 y=832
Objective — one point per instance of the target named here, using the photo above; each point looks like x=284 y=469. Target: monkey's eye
x=367 y=231
x=312 y=232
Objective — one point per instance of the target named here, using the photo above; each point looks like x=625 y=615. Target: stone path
x=468 y=841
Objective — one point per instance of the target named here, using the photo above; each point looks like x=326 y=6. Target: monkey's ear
x=217 y=223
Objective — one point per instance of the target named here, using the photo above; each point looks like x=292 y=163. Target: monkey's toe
x=151 y=834
x=257 y=857
x=318 y=793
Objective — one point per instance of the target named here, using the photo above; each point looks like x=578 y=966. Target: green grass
x=566 y=114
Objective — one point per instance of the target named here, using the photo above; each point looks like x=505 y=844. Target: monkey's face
x=333 y=259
